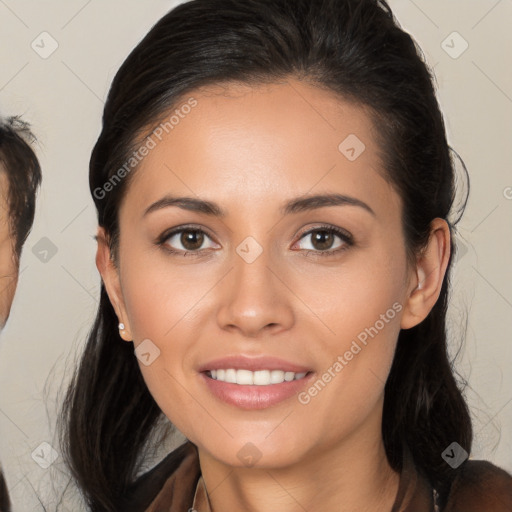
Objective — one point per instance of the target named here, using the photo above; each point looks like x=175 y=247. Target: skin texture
x=250 y=149
x=8 y=264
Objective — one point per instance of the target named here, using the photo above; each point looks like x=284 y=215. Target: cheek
x=160 y=307
x=166 y=304
x=361 y=306
x=367 y=289
x=159 y=295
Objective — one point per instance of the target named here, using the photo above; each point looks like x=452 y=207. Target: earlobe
x=124 y=333
x=110 y=277
x=429 y=275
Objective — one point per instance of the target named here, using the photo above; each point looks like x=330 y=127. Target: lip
x=240 y=362
x=253 y=396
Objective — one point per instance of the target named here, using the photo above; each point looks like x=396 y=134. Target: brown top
x=176 y=485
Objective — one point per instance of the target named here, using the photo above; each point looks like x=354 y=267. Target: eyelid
x=343 y=233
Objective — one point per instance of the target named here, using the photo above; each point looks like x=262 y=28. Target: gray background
x=62 y=96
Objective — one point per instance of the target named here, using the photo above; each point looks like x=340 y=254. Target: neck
x=352 y=475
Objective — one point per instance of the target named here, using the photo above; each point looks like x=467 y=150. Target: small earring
x=121 y=326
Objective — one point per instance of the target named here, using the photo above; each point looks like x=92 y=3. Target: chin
x=257 y=451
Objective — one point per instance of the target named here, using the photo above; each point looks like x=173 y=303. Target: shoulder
x=480 y=486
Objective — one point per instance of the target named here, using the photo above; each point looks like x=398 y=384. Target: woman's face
x=264 y=287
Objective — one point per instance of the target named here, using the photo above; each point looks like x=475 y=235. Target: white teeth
x=258 y=378
x=244 y=377
x=230 y=376
x=261 y=377
x=276 y=376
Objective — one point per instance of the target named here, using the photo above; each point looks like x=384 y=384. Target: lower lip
x=252 y=396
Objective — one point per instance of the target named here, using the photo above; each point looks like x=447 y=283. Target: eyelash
x=342 y=234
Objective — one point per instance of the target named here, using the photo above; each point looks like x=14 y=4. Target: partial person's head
x=20 y=176
x=250 y=105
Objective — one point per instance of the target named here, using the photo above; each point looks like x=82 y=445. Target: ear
x=428 y=276
x=110 y=276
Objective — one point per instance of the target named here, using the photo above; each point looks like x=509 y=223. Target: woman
x=274 y=191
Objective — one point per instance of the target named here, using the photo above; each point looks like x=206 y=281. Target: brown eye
x=323 y=240
x=191 y=240
x=185 y=241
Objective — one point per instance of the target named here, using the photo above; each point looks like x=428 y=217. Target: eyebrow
x=296 y=205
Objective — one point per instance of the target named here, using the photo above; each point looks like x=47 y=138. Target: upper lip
x=241 y=362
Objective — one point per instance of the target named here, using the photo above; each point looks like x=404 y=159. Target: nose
x=254 y=298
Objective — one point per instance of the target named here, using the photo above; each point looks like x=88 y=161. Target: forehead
x=244 y=143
